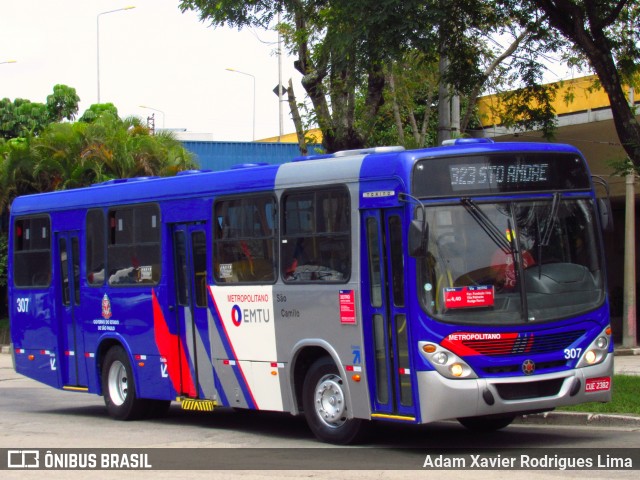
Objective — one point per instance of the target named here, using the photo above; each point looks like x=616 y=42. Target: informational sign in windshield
x=469 y=297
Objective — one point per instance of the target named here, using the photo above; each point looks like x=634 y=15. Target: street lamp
x=98 y=40
x=254 y=96
x=155 y=110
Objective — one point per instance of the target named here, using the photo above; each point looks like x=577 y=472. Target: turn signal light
x=356 y=378
x=429 y=348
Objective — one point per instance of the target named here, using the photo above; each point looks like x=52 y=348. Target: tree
x=607 y=35
x=20 y=117
x=347 y=51
x=96 y=110
x=70 y=155
x=341 y=48
x=62 y=104
x=408 y=117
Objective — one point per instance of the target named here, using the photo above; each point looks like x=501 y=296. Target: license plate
x=598 y=384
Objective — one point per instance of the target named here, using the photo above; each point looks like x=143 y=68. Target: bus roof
x=337 y=167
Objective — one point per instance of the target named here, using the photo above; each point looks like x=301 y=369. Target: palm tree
x=71 y=155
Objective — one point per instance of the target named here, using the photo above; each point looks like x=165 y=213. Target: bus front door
x=385 y=317
x=190 y=260
x=70 y=337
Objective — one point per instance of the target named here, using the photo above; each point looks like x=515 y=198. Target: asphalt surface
x=626 y=362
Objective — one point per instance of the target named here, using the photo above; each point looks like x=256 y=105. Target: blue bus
x=463 y=282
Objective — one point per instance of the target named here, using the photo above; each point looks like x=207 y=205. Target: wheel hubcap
x=118 y=383
x=329 y=401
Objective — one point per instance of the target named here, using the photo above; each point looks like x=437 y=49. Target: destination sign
x=500 y=173
x=469 y=176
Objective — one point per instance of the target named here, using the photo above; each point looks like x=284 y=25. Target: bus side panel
x=34 y=334
x=315 y=315
x=130 y=323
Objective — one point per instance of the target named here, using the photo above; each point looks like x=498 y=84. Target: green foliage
x=3 y=259
x=530 y=108
x=624 y=398
x=4 y=331
x=96 y=110
x=624 y=167
x=344 y=49
x=70 y=155
x=341 y=48
x=593 y=35
x=23 y=117
x=62 y=103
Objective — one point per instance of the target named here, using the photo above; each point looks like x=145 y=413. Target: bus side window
x=32 y=252
x=95 y=247
x=316 y=228
x=133 y=252
x=244 y=240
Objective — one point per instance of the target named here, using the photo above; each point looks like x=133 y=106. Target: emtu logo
x=236 y=315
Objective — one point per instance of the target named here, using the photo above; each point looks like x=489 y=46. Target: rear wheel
x=325 y=406
x=119 y=389
x=486 y=424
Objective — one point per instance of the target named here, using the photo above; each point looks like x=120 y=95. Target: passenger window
x=244 y=240
x=316 y=244
x=95 y=247
x=32 y=252
x=133 y=252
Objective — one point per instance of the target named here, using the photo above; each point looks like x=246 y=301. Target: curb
x=580 y=419
x=626 y=351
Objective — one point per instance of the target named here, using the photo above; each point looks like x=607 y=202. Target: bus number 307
x=572 y=353
x=23 y=305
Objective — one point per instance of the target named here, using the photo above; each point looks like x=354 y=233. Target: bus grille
x=518 y=368
x=524 y=344
x=521 y=391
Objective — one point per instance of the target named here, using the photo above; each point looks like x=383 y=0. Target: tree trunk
x=593 y=42
x=297 y=120
x=396 y=109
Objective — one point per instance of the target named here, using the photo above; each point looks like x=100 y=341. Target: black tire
x=324 y=403
x=118 y=387
x=486 y=424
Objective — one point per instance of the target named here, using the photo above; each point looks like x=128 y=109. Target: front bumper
x=443 y=398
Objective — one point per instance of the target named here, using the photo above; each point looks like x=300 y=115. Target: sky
x=152 y=55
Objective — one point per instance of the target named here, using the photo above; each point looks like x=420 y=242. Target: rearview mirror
x=418 y=235
x=606 y=215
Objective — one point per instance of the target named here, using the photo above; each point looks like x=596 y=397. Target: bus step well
x=196 y=404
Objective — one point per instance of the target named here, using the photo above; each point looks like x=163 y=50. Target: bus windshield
x=511 y=262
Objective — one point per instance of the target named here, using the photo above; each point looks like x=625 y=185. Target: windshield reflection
x=511 y=262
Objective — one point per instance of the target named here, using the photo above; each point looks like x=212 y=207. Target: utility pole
x=629 y=311
x=280 y=88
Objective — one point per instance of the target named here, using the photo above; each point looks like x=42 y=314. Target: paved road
x=36 y=416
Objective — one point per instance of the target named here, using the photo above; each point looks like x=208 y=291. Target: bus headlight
x=447 y=363
x=597 y=351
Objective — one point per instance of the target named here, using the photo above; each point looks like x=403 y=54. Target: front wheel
x=118 y=387
x=325 y=406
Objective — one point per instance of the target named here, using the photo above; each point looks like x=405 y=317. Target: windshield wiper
x=487 y=225
x=551 y=220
